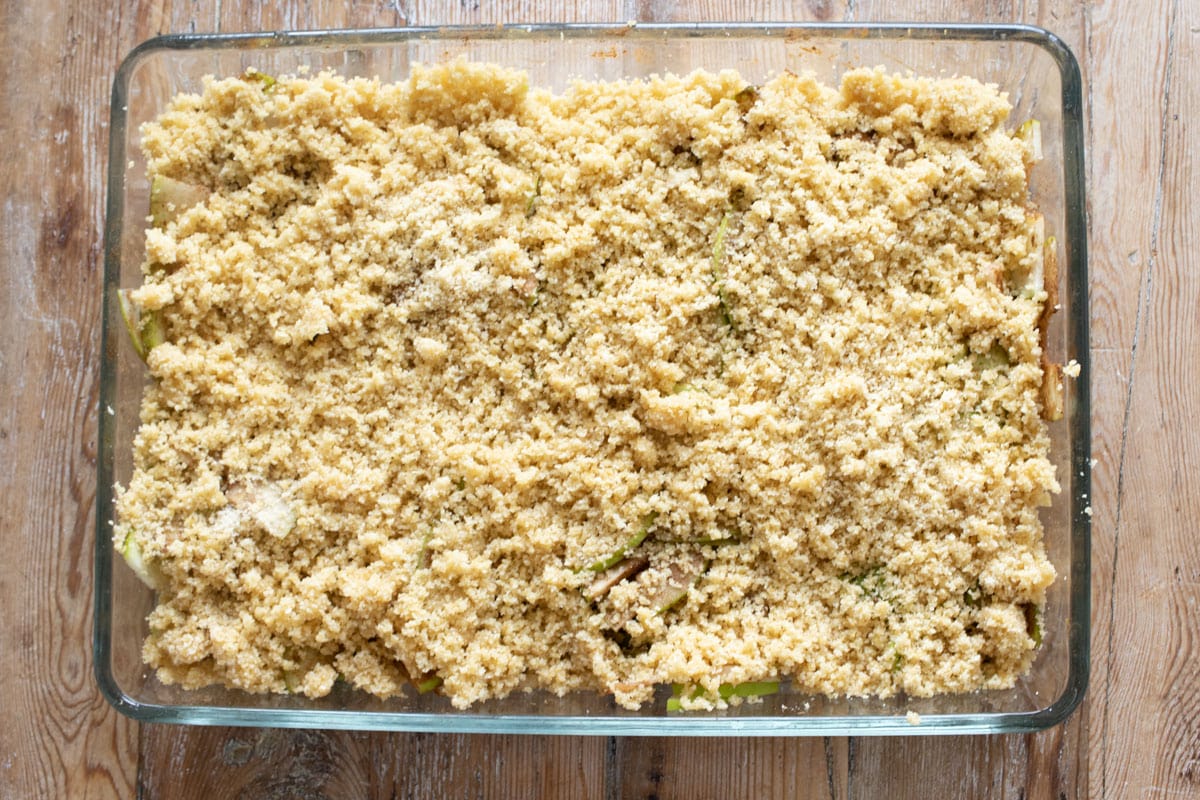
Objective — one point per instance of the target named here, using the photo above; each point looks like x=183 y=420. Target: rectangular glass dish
x=1041 y=78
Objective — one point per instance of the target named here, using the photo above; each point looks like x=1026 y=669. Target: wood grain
x=59 y=738
x=1134 y=219
x=1152 y=694
x=1138 y=734
x=1122 y=229
x=714 y=769
x=198 y=764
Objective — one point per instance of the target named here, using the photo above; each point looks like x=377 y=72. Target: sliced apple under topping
x=129 y=315
x=613 y=575
x=146 y=570
x=659 y=589
x=1049 y=277
x=726 y=691
x=264 y=503
x=169 y=198
x=429 y=684
x=1030 y=132
x=145 y=329
x=1053 y=401
x=632 y=542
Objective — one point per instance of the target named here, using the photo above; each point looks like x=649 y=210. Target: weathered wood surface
x=1138 y=733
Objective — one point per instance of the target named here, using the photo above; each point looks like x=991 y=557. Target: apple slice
x=606 y=580
x=428 y=684
x=682 y=575
x=660 y=590
x=748 y=689
x=152 y=330
x=725 y=691
x=1031 y=132
x=268 y=82
x=145 y=569
x=263 y=502
x=169 y=198
x=129 y=316
x=145 y=330
x=1053 y=401
x=633 y=541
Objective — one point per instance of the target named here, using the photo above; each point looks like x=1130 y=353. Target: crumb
x=468 y=385
x=1071 y=369
x=913 y=718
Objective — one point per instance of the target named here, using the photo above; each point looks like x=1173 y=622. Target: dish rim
x=1077 y=339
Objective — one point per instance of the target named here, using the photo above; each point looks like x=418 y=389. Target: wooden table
x=1137 y=734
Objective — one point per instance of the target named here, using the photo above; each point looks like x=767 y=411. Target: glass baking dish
x=1042 y=80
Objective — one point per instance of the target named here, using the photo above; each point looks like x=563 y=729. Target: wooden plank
x=1034 y=766
x=484 y=12
x=202 y=763
x=1128 y=179
x=1152 y=691
x=436 y=766
x=234 y=17
x=58 y=738
x=698 y=769
x=977 y=766
x=258 y=763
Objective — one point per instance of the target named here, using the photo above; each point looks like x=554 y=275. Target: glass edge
x=928 y=725
x=637 y=30
x=102 y=561
x=1075 y=201
x=1078 y=346
x=1073 y=166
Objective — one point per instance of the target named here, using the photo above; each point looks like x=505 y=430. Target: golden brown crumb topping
x=664 y=381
